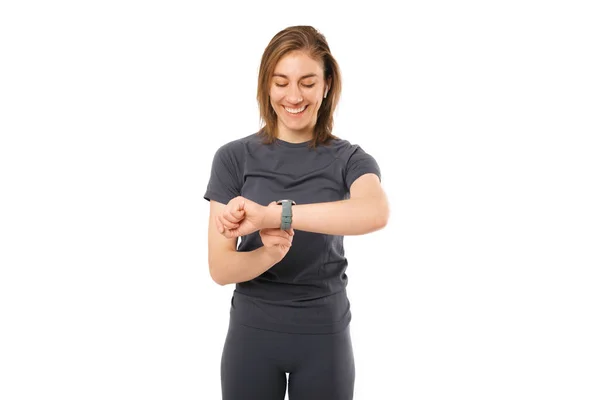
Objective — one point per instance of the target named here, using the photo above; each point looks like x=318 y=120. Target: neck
x=294 y=137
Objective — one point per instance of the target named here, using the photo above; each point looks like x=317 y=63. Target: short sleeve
x=224 y=183
x=360 y=163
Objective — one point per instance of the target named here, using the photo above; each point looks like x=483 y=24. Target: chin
x=299 y=129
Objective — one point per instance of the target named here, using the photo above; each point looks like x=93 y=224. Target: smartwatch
x=286 y=213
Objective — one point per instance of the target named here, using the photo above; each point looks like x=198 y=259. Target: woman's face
x=296 y=93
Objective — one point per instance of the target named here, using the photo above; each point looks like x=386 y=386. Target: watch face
x=281 y=201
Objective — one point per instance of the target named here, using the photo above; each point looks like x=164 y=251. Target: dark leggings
x=255 y=362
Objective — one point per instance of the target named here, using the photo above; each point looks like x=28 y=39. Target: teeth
x=295 y=110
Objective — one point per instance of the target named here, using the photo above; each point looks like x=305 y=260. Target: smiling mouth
x=295 y=111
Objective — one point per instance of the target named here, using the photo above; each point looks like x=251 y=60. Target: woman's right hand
x=277 y=242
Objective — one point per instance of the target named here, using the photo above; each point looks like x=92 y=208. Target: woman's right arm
x=226 y=264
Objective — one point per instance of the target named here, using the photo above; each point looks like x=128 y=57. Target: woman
x=291 y=192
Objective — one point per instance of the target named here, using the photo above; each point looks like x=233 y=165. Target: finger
x=277 y=241
x=234 y=216
x=287 y=240
x=267 y=231
x=228 y=218
x=239 y=213
x=226 y=223
x=290 y=231
x=238 y=204
x=231 y=233
x=219 y=224
x=277 y=232
x=270 y=230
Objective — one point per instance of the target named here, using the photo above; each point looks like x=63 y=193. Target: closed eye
x=285 y=84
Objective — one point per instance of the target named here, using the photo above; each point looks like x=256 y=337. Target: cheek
x=276 y=94
x=275 y=106
x=274 y=100
x=316 y=100
x=316 y=97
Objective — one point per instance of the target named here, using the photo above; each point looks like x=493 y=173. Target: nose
x=294 y=96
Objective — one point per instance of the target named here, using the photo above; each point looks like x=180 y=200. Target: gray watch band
x=286 y=213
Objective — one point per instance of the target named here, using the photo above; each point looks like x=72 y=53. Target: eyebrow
x=302 y=77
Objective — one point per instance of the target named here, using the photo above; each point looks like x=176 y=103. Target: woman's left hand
x=241 y=217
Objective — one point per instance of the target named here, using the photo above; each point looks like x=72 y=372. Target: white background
x=483 y=116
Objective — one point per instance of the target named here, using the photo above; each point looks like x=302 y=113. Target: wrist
x=272 y=216
x=275 y=216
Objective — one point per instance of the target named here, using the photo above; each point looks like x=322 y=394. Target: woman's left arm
x=366 y=211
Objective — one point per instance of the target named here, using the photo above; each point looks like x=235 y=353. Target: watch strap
x=286 y=213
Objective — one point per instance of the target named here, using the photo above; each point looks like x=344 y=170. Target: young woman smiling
x=290 y=192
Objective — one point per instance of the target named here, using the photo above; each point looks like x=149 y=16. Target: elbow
x=376 y=220
x=383 y=217
x=380 y=223
x=218 y=280
x=376 y=223
x=217 y=277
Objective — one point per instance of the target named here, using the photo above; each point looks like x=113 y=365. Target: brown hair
x=307 y=39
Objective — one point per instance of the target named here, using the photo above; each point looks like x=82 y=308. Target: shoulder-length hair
x=313 y=43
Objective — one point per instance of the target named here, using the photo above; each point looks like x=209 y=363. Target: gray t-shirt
x=306 y=291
